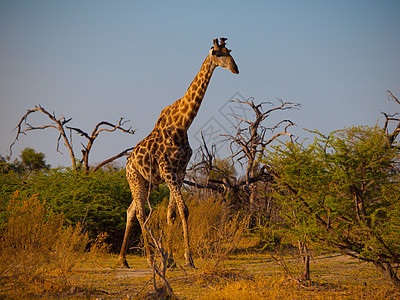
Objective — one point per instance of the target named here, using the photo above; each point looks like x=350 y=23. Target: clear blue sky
x=102 y=60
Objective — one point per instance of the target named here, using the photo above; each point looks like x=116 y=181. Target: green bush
x=97 y=200
x=343 y=191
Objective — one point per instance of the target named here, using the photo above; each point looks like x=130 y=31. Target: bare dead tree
x=248 y=145
x=392 y=118
x=126 y=152
x=250 y=140
x=56 y=123
x=207 y=164
x=206 y=161
x=102 y=126
x=60 y=124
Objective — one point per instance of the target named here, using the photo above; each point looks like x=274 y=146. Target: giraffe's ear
x=213 y=51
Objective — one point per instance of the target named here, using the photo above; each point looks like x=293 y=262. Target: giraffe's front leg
x=173 y=177
x=184 y=214
x=131 y=213
x=171 y=217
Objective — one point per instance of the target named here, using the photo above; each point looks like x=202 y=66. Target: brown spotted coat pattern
x=164 y=154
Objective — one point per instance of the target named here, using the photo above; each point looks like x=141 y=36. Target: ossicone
x=219 y=46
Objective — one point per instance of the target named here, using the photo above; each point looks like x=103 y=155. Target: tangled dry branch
x=60 y=124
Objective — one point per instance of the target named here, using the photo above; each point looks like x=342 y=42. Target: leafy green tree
x=343 y=191
x=32 y=160
x=5 y=165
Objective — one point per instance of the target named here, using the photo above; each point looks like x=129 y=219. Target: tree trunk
x=305 y=257
x=387 y=270
x=252 y=193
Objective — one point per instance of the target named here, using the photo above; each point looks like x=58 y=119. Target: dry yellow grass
x=37 y=252
x=47 y=260
x=249 y=276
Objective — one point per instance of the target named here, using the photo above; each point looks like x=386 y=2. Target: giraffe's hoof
x=150 y=260
x=171 y=263
x=189 y=261
x=123 y=263
x=190 y=265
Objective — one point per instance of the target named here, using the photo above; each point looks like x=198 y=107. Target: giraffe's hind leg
x=131 y=213
x=139 y=188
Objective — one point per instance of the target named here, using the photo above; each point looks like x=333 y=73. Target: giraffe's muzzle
x=234 y=68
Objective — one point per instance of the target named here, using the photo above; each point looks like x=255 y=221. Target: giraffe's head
x=222 y=57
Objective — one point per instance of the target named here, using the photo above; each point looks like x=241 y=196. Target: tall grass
x=37 y=252
x=214 y=230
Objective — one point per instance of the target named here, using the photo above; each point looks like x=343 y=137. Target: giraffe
x=164 y=154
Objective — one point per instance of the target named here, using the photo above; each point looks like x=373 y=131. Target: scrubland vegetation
x=42 y=258
x=306 y=221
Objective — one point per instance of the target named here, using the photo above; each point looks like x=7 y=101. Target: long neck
x=191 y=101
